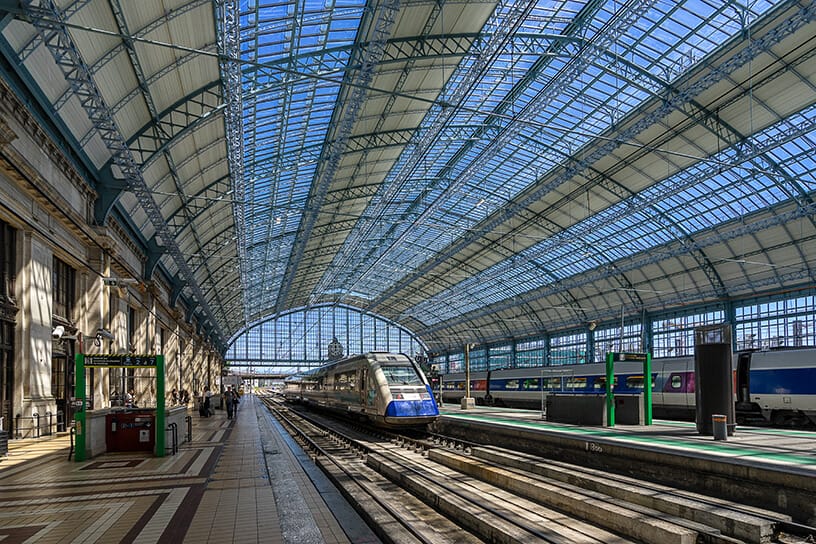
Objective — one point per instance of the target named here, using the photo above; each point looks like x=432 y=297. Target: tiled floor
x=237 y=481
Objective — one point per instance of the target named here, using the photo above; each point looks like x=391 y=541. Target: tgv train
x=778 y=387
x=387 y=389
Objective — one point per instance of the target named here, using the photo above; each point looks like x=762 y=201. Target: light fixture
x=591 y=325
x=103 y=334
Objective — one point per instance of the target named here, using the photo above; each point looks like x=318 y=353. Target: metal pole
x=647 y=389
x=79 y=414
x=610 y=395
x=467 y=370
x=160 y=408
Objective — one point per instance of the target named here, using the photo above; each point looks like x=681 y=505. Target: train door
x=744 y=381
x=362 y=385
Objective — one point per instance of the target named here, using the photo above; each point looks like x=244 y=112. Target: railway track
x=432 y=489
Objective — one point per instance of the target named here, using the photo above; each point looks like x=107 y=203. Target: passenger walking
x=229 y=399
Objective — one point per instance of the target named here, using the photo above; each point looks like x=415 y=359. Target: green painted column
x=161 y=431
x=79 y=413
x=610 y=394
x=647 y=389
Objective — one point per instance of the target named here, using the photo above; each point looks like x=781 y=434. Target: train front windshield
x=401 y=375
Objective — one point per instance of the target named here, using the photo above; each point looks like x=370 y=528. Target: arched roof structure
x=473 y=171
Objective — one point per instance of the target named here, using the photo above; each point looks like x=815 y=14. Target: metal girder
x=181 y=118
x=384 y=18
x=227 y=15
x=424 y=47
x=121 y=23
x=193 y=206
x=578 y=166
x=503 y=135
x=138 y=36
x=334 y=226
x=654 y=255
x=47 y=19
x=616 y=27
x=637 y=202
x=507 y=17
x=377 y=139
x=352 y=193
x=36 y=40
x=109 y=192
x=154 y=254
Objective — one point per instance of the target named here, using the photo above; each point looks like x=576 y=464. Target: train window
x=530 y=384
x=634 y=382
x=552 y=384
x=401 y=375
x=345 y=381
x=511 y=385
x=600 y=382
x=676 y=381
x=574 y=382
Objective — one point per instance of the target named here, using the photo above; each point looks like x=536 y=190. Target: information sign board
x=112 y=360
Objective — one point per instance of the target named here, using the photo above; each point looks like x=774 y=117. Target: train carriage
x=387 y=389
x=777 y=386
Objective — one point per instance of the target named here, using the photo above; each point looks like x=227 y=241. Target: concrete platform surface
x=238 y=481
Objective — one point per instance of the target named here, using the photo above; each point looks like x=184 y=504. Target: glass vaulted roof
x=472 y=171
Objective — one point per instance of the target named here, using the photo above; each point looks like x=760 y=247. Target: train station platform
x=784 y=449
x=767 y=467
x=237 y=481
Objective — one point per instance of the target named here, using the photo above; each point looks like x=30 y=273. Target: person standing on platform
x=229 y=400
x=208 y=401
x=130 y=399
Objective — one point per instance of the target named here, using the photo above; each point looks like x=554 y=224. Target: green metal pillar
x=647 y=389
x=610 y=394
x=161 y=432
x=79 y=411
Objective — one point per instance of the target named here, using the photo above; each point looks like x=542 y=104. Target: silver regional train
x=777 y=387
x=386 y=389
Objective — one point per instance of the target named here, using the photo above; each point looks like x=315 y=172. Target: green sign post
x=610 y=394
x=646 y=358
x=116 y=361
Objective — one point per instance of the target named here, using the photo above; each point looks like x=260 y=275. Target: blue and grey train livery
x=777 y=386
x=387 y=389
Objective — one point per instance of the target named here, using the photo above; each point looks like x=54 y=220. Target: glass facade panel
x=501 y=356
x=569 y=349
x=674 y=336
x=608 y=339
x=299 y=340
x=781 y=323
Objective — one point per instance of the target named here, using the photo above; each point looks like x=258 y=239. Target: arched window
x=300 y=339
